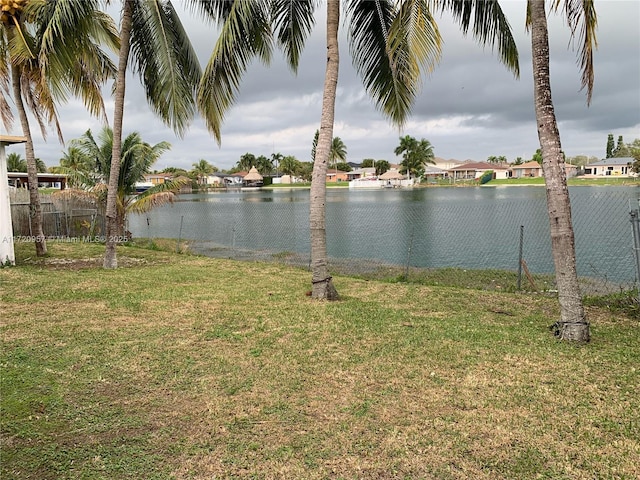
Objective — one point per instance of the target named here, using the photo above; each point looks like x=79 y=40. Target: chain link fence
x=404 y=232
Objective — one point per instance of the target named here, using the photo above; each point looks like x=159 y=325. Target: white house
x=610 y=167
x=474 y=170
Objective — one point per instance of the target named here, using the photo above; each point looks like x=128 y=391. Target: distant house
x=433 y=172
x=53 y=180
x=474 y=170
x=335 y=175
x=361 y=173
x=443 y=164
x=157 y=178
x=530 y=169
x=611 y=167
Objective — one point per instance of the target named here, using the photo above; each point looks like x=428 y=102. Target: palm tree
x=137 y=160
x=580 y=16
x=392 y=44
x=276 y=159
x=15 y=163
x=264 y=165
x=79 y=168
x=202 y=169
x=49 y=49
x=415 y=154
x=338 y=151
x=169 y=70
x=381 y=167
x=289 y=165
x=247 y=161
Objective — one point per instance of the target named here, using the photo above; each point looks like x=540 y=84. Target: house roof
x=531 y=164
x=611 y=162
x=253 y=175
x=431 y=169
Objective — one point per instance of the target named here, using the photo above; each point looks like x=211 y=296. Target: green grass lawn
x=186 y=367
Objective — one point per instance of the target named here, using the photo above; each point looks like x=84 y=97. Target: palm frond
x=170 y=71
x=582 y=20
x=293 y=21
x=6 y=115
x=390 y=48
x=157 y=195
x=245 y=34
x=489 y=26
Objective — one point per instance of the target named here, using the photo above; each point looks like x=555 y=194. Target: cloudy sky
x=470 y=107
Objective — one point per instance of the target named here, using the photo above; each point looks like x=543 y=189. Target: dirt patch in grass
x=82 y=263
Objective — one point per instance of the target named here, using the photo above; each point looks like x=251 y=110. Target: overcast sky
x=469 y=108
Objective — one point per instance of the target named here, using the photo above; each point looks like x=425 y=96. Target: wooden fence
x=61 y=217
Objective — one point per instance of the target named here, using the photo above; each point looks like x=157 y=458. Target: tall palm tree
x=392 y=43
x=580 y=16
x=151 y=31
x=202 y=169
x=50 y=49
x=338 y=151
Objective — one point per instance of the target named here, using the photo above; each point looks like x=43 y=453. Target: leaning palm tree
x=392 y=44
x=580 y=16
x=51 y=49
x=162 y=54
x=137 y=159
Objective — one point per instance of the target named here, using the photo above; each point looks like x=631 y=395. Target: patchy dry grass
x=194 y=368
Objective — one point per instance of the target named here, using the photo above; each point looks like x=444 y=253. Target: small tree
x=610 y=145
x=343 y=167
x=621 y=149
x=367 y=163
x=382 y=166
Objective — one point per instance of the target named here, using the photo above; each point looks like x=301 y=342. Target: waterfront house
x=530 y=169
x=361 y=173
x=335 y=175
x=474 y=170
x=611 y=167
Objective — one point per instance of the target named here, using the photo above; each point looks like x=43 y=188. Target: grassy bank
x=179 y=366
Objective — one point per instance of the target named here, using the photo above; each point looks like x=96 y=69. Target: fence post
x=520 y=257
x=406 y=268
x=179 y=234
x=635 y=226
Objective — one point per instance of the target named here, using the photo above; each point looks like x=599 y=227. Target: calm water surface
x=426 y=227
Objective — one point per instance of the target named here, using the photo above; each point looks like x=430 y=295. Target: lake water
x=475 y=228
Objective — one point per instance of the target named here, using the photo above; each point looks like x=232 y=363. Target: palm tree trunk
x=573 y=324
x=322 y=285
x=35 y=208
x=112 y=235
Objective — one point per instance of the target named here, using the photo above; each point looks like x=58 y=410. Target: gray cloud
x=470 y=107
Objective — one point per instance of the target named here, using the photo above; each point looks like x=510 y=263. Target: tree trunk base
x=572 y=331
x=324 y=290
